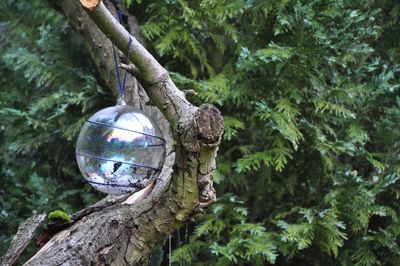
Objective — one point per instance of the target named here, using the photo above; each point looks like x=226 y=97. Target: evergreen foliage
x=310 y=95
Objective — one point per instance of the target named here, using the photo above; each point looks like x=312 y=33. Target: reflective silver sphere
x=119 y=149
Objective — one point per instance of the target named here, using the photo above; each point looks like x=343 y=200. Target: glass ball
x=119 y=149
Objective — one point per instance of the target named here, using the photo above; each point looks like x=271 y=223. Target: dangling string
x=186 y=232
x=169 y=249
x=119 y=12
x=121 y=84
x=127 y=55
x=179 y=246
x=121 y=88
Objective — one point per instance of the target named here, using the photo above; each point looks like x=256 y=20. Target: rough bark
x=23 y=237
x=126 y=231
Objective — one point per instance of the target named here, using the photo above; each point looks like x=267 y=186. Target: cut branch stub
x=90 y=4
x=209 y=123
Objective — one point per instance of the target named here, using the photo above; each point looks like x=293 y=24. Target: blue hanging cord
x=119 y=13
x=128 y=53
x=121 y=88
x=121 y=85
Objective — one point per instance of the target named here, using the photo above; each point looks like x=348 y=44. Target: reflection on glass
x=118 y=148
x=123 y=135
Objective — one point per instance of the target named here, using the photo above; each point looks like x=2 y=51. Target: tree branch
x=155 y=79
x=132 y=69
x=26 y=232
x=126 y=233
x=144 y=61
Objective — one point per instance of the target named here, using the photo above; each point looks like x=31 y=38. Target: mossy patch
x=59 y=215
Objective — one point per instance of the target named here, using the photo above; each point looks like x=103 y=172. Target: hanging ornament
x=120 y=149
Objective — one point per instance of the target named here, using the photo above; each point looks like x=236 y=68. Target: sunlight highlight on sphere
x=119 y=149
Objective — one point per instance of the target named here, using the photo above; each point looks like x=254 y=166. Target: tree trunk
x=125 y=230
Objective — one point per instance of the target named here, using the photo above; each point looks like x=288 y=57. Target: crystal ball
x=120 y=149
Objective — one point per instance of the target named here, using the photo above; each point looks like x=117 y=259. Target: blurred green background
x=309 y=167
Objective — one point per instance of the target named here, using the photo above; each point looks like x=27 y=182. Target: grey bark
x=125 y=231
x=22 y=238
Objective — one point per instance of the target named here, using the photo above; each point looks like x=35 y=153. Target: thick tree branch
x=125 y=233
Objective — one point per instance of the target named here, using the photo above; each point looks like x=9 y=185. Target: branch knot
x=210 y=124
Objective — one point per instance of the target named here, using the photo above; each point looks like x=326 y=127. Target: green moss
x=59 y=215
